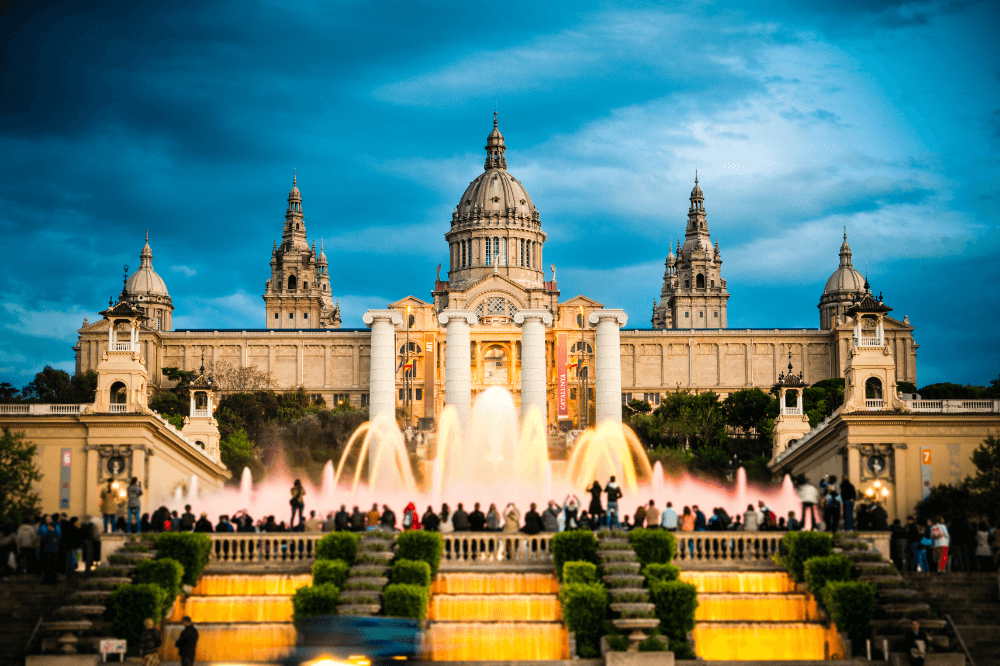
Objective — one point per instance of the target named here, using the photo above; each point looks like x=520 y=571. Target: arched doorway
x=118 y=393
x=495 y=366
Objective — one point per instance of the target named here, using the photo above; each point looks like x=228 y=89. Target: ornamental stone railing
x=41 y=410
x=726 y=548
x=267 y=548
x=954 y=406
x=463 y=549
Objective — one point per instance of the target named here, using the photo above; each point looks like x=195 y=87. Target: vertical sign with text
x=64 y=471
x=562 y=381
x=925 y=472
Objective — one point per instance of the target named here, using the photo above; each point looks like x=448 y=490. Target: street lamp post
x=407 y=371
x=584 y=411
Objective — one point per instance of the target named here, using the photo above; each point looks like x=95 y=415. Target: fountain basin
x=502 y=641
x=495 y=607
x=766 y=641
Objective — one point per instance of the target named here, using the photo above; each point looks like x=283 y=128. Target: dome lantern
x=495 y=148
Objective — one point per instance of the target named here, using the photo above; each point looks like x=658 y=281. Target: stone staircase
x=362 y=593
x=25 y=601
x=973 y=602
x=630 y=600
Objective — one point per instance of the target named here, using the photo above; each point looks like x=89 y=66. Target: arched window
x=119 y=393
x=579 y=320
x=791 y=398
x=700 y=281
x=495 y=366
x=201 y=400
x=411 y=321
x=291 y=282
x=873 y=388
x=576 y=346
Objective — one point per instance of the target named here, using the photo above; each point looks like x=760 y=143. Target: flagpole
x=408 y=404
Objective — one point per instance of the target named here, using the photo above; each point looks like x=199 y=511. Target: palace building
x=495 y=252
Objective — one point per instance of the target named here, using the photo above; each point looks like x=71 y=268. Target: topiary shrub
x=333 y=572
x=313 y=600
x=411 y=572
x=675 y=603
x=191 y=549
x=661 y=572
x=580 y=572
x=584 y=606
x=653 y=546
x=617 y=642
x=130 y=605
x=573 y=546
x=821 y=570
x=797 y=547
x=338 y=546
x=401 y=600
x=421 y=545
x=165 y=573
x=851 y=605
x=653 y=644
x=682 y=650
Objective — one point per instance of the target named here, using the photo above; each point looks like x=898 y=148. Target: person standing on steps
x=187 y=642
x=595 y=508
x=298 y=502
x=847 y=495
x=134 y=505
x=149 y=644
x=109 y=506
x=614 y=494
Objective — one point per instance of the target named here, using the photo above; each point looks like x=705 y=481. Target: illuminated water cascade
x=507 y=616
x=389 y=469
x=239 y=617
x=246 y=487
x=611 y=449
x=753 y=615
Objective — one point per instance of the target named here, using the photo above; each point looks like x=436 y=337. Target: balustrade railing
x=791 y=411
x=726 y=547
x=123 y=347
x=118 y=408
x=873 y=403
x=475 y=548
x=870 y=342
x=42 y=409
x=270 y=547
x=200 y=413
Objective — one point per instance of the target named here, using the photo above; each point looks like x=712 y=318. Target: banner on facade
x=925 y=472
x=562 y=380
x=64 y=476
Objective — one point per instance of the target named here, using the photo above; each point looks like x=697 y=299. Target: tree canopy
x=18 y=472
x=55 y=387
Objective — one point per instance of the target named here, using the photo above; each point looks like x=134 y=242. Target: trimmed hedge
x=421 y=545
x=653 y=644
x=675 y=603
x=338 y=546
x=573 y=546
x=130 y=605
x=332 y=572
x=851 y=605
x=584 y=606
x=661 y=572
x=165 y=573
x=797 y=547
x=411 y=572
x=580 y=572
x=821 y=570
x=653 y=546
x=191 y=549
x=313 y=600
x=401 y=600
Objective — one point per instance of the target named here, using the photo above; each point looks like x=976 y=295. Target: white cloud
x=237 y=310
x=187 y=271
x=48 y=322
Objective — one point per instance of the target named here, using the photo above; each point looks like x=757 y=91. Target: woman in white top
x=751 y=519
x=809 y=496
x=939 y=532
x=445 y=527
x=983 y=554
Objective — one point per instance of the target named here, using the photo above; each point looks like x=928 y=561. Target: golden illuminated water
x=251 y=585
x=234 y=609
x=758 y=615
x=506 y=616
x=224 y=641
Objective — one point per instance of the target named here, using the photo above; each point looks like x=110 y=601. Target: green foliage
x=639 y=406
x=949 y=391
x=579 y=572
x=986 y=483
x=797 y=547
x=675 y=603
x=653 y=644
x=332 y=572
x=170 y=403
x=411 y=572
x=653 y=546
x=130 y=605
x=661 y=572
x=682 y=650
x=821 y=570
x=906 y=387
x=18 y=500
x=176 y=420
x=338 y=546
x=401 y=600
x=851 y=605
x=165 y=573
x=747 y=409
x=617 y=642
x=237 y=452
x=57 y=387
x=573 y=546
x=313 y=600
x=190 y=549
x=584 y=606
x=421 y=545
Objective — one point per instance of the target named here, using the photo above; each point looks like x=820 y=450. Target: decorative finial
x=147 y=234
x=202 y=368
x=125 y=277
x=494 y=120
x=789 y=361
x=696 y=176
x=845 y=233
x=295 y=177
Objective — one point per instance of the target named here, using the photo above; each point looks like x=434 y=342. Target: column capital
x=597 y=315
x=449 y=314
x=391 y=316
x=543 y=316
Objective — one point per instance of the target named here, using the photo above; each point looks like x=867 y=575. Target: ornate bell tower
x=121 y=372
x=200 y=426
x=791 y=422
x=870 y=374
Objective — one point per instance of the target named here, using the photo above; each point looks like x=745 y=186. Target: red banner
x=562 y=381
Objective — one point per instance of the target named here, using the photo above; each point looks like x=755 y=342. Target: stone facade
x=495 y=246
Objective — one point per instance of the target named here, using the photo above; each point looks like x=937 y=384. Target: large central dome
x=495 y=227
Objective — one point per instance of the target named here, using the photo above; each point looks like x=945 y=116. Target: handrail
x=483 y=548
x=972 y=662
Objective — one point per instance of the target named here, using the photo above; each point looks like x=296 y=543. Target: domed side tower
x=495 y=228
x=147 y=291
x=298 y=293
x=694 y=292
x=840 y=290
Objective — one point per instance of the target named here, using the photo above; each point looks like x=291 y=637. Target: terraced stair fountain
x=625 y=585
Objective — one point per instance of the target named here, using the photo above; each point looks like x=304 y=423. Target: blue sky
x=188 y=119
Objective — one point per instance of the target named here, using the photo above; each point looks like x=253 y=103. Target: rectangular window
x=716 y=315
x=364 y=399
x=489 y=253
x=626 y=398
x=522 y=252
x=527 y=254
x=275 y=315
x=701 y=315
x=305 y=315
x=402 y=396
x=687 y=314
x=503 y=253
x=572 y=394
x=464 y=264
x=420 y=394
x=291 y=315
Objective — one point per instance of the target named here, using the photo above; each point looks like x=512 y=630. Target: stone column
x=533 y=323
x=382 y=376
x=457 y=370
x=609 y=364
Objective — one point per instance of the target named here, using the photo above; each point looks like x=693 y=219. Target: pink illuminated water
x=497 y=460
